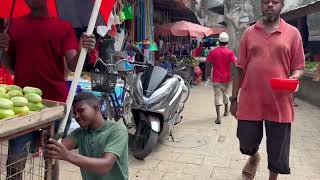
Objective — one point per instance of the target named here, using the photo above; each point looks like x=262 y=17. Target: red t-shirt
x=263 y=57
x=39 y=46
x=221 y=58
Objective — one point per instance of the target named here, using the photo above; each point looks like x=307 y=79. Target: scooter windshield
x=152 y=79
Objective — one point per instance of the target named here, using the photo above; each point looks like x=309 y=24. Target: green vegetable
x=35 y=106
x=6 y=113
x=6 y=96
x=3 y=86
x=3 y=90
x=14 y=93
x=19 y=101
x=13 y=87
x=5 y=103
x=311 y=65
x=21 y=110
x=34 y=98
x=34 y=90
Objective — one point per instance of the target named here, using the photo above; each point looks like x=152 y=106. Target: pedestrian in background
x=221 y=59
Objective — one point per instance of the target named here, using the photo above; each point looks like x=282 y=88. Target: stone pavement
x=205 y=151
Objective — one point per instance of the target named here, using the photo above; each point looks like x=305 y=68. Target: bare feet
x=250 y=169
x=273 y=176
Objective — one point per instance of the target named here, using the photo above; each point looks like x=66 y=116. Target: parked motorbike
x=158 y=101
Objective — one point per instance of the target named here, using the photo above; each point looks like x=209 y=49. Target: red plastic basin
x=284 y=84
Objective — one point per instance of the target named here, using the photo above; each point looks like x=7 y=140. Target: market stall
x=23 y=111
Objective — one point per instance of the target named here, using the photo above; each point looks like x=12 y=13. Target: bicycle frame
x=116 y=98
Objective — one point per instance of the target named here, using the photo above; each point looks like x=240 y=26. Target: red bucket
x=284 y=84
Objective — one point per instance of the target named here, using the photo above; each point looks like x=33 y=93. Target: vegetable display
x=15 y=101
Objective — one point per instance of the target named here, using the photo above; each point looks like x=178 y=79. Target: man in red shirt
x=269 y=49
x=37 y=46
x=221 y=59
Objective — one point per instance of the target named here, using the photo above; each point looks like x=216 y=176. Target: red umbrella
x=21 y=9
x=184 y=28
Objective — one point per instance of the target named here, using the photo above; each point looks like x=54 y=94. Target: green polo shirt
x=112 y=138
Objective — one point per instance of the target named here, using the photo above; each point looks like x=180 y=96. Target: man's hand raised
x=4 y=41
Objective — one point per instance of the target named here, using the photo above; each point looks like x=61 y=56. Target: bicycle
x=116 y=88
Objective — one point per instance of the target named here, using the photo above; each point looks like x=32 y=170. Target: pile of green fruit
x=15 y=101
x=171 y=59
x=188 y=61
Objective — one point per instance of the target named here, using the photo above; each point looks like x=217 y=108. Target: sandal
x=250 y=169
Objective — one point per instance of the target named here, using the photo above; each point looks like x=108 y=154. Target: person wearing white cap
x=221 y=58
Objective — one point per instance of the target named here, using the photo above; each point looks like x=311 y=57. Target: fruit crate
x=12 y=126
x=36 y=167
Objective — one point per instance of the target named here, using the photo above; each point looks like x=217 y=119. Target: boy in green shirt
x=103 y=145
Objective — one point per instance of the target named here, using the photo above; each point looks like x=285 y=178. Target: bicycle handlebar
x=123 y=60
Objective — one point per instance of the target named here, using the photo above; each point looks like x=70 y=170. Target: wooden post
x=49 y=133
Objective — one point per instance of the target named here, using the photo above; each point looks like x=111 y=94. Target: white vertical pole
x=82 y=57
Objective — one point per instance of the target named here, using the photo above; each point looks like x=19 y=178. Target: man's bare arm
x=296 y=74
x=72 y=57
x=7 y=61
x=100 y=166
x=208 y=69
x=61 y=151
x=237 y=81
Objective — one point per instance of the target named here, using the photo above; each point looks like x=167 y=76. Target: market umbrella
x=77 y=12
x=184 y=28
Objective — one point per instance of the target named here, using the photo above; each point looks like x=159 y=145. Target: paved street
x=206 y=151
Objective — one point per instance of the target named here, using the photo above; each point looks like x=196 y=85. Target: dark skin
x=89 y=116
x=39 y=9
x=271 y=10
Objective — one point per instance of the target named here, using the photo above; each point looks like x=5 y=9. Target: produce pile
x=311 y=65
x=15 y=101
x=183 y=61
x=188 y=61
x=171 y=59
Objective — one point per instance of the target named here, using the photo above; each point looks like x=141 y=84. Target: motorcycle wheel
x=142 y=143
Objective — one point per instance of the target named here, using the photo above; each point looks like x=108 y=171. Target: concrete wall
x=309 y=90
x=238 y=15
x=314 y=27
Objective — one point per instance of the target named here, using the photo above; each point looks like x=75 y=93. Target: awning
x=176 y=9
x=301 y=11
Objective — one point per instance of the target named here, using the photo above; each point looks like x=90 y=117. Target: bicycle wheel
x=110 y=111
x=127 y=114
